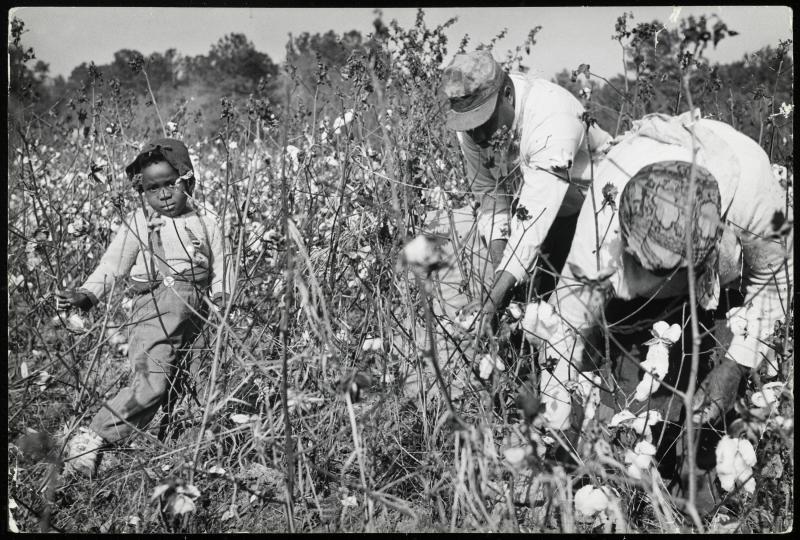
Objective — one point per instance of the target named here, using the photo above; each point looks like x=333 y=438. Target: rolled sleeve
x=767 y=280
x=547 y=153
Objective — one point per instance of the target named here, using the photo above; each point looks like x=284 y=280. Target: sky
x=64 y=37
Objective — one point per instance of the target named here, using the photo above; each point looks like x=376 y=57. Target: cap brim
x=464 y=121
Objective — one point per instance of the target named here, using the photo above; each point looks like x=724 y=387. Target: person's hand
x=74 y=298
x=478 y=317
x=716 y=394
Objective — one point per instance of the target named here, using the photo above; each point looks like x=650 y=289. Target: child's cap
x=172 y=150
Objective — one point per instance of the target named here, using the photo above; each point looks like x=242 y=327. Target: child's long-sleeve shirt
x=193 y=240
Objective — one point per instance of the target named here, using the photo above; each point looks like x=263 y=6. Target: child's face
x=163 y=194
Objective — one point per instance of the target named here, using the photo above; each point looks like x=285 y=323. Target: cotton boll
x=515 y=310
x=590 y=501
x=646 y=387
x=557 y=401
x=489 y=363
x=660 y=327
x=640 y=424
x=540 y=322
x=643 y=422
x=515 y=456
x=737 y=324
x=115 y=337
x=673 y=334
x=639 y=459
x=735 y=459
x=467 y=320
x=656 y=362
x=621 y=418
x=76 y=323
x=372 y=344
x=768 y=395
x=423 y=254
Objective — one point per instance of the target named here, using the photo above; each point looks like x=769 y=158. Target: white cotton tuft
x=591 y=500
x=422 y=254
x=557 y=401
x=768 y=395
x=735 y=461
x=540 y=322
x=515 y=455
x=488 y=364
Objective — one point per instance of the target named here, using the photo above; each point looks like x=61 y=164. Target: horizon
x=563 y=29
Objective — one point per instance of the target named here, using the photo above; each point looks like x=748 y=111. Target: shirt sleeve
x=493 y=197
x=767 y=272
x=117 y=260
x=547 y=152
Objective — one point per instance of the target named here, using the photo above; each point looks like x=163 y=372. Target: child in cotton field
x=172 y=253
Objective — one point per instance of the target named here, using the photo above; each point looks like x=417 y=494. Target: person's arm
x=546 y=154
x=768 y=268
x=767 y=272
x=117 y=260
x=493 y=198
x=595 y=254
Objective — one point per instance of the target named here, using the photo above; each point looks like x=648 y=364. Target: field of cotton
x=338 y=389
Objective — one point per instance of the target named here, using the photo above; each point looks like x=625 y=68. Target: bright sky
x=66 y=36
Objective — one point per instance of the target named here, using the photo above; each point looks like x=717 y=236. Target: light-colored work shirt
x=752 y=256
x=189 y=241
x=547 y=164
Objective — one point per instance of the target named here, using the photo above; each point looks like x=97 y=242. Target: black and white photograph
x=400 y=270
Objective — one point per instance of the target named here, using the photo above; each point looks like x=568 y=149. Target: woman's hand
x=74 y=298
x=716 y=394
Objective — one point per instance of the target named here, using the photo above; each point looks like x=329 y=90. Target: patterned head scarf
x=653 y=210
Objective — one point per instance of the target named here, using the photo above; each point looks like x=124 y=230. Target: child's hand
x=79 y=299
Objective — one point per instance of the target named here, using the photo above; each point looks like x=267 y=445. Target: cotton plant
x=488 y=364
x=766 y=402
x=656 y=363
x=424 y=254
x=735 y=461
x=769 y=395
x=597 y=505
x=640 y=423
x=540 y=323
x=372 y=344
x=640 y=459
x=591 y=500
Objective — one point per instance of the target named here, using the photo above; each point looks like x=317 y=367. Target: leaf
x=228 y=514
x=773 y=468
x=23 y=370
